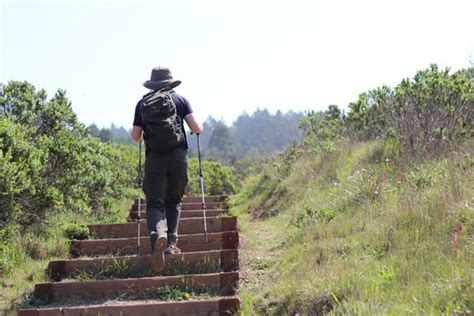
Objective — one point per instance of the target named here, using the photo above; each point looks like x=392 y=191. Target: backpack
x=162 y=125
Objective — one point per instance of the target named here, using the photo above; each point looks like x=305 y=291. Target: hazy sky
x=232 y=56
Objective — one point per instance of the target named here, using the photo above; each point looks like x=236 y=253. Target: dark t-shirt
x=183 y=108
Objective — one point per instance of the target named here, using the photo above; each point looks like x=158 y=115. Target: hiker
x=165 y=158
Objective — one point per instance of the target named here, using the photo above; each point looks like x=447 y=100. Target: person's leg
x=154 y=186
x=177 y=180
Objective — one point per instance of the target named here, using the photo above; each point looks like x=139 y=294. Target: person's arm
x=137 y=133
x=194 y=125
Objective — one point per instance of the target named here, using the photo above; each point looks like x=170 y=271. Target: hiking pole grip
x=139 y=184
x=201 y=180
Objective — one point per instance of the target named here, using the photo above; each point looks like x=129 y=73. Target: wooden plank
x=136 y=265
x=208 y=307
x=207 y=199
x=189 y=206
x=186 y=214
x=225 y=283
x=128 y=246
x=191 y=225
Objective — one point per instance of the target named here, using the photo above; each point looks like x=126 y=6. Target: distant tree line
x=114 y=134
x=257 y=136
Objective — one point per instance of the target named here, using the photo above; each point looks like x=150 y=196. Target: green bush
x=218 y=178
x=74 y=231
x=49 y=164
x=428 y=114
x=321 y=129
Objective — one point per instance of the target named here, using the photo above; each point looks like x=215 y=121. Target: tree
x=204 y=138
x=94 y=130
x=105 y=135
x=221 y=142
x=263 y=134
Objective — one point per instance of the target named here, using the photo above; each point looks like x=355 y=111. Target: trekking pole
x=203 y=204
x=139 y=182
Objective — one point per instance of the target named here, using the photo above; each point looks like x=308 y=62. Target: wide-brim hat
x=161 y=78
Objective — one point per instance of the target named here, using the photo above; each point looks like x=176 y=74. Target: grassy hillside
x=359 y=229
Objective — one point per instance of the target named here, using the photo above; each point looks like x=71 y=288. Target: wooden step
x=188 y=206
x=224 y=260
x=225 y=283
x=197 y=199
x=207 y=199
x=128 y=246
x=192 y=225
x=186 y=214
x=205 y=307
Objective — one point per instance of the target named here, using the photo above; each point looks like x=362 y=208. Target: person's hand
x=138 y=181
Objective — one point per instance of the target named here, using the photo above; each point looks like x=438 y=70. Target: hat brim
x=158 y=85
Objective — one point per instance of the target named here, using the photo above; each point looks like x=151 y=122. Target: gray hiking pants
x=165 y=180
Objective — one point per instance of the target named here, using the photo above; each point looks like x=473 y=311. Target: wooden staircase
x=105 y=276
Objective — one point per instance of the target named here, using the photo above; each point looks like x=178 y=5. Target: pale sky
x=232 y=56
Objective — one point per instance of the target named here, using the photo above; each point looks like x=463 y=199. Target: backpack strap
x=153 y=95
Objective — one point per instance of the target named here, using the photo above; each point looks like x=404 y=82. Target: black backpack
x=162 y=125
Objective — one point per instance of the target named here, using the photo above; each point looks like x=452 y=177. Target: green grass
x=122 y=270
x=164 y=293
x=26 y=256
x=359 y=231
x=176 y=293
x=19 y=283
x=118 y=269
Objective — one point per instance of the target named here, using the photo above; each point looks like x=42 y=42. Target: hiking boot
x=157 y=251
x=172 y=249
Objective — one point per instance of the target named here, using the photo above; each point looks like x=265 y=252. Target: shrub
x=74 y=231
x=48 y=162
x=218 y=178
x=428 y=114
x=322 y=129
